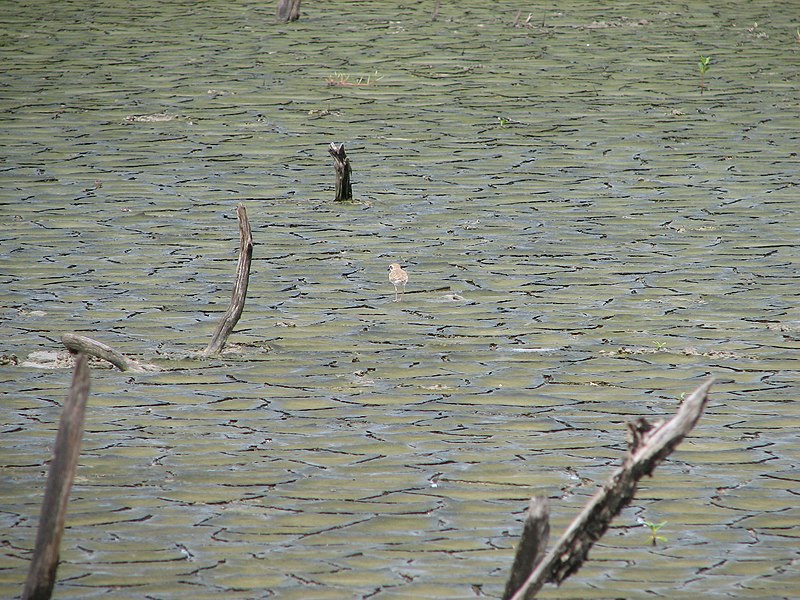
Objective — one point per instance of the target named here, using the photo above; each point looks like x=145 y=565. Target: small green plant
x=660 y=346
x=654 y=529
x=504 y=121
x=703 y=66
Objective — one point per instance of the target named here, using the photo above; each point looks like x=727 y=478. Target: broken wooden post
x=532 y=544
x=231 y=316
x=61 y=474
x=651 y=445
x=344 y=191
x=288 y=10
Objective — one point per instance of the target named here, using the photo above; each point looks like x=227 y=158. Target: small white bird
x=398 y=277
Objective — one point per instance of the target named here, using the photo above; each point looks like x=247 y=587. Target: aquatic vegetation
x=703 y=67
x=343 y=80
x=654 y=529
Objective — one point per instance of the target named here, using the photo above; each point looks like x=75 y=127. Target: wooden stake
x=344 y=191
x=42 y=573
x=650 y=446
x=231 y=316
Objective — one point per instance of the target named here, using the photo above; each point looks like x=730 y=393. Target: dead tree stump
x=344 y=191
x=231 y=316
x=650 y=445
x=288 y=10
x=42 y=572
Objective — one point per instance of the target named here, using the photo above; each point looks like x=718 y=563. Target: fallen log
x=236 y=306
x=344 y=191
x=61 y=474
x=649 y=445
x=78 y=344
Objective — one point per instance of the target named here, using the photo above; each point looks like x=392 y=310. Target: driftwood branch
x=532 y=544
x=81 y=344
x=231 y=316
x=650 y=445
x=42 y=573
x=288 y=10
x=344 y=191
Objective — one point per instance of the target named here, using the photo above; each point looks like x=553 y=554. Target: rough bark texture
x=532 y=544
x=288 y=10
x=42 y=572
x=344 y=191
x=650 y=446
x=231 y=316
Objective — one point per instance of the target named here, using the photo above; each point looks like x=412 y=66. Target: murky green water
x=587 y=237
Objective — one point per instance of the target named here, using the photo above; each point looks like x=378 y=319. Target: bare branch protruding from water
x=42 y=572
x=288 y=10
x=532 y=544
x=231 y=316
x=650 y=446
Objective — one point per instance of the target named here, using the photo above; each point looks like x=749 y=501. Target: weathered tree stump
x=344 y=191
x=649 y=446
x=42 y=572
x=288 y=10
x=231 y=316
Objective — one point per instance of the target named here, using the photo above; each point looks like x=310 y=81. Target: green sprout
x=504 y=121
x=660 y=345
x=703 y=65
x=654 y=529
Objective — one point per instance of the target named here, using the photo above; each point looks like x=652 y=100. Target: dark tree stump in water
x=60 y=475
x=344 y=191
x=288 y=10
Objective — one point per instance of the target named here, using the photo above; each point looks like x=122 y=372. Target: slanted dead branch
x=288 y=10
x=532 y=544
x=344 y=191
x=650 y=445
x=231 y=316
x=42 y=572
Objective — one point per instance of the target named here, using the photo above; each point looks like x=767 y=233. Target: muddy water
x=587 y=235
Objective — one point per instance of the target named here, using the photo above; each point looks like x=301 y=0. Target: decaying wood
x=42 y=572
x=435 y=10
x=344 y=191
x=288 y=10
x=81 y=344
x=532 y=544
x=231 y=316
x=650 y=446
